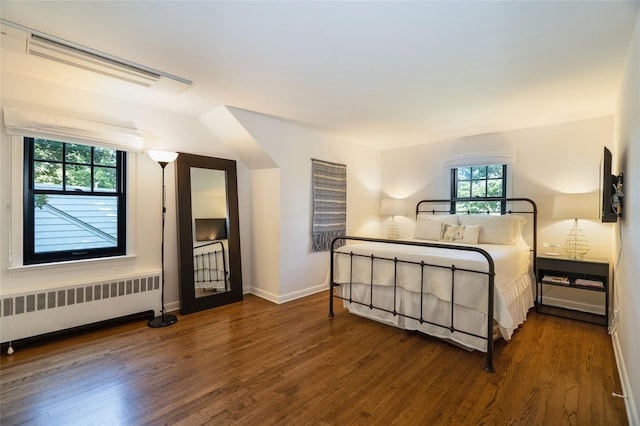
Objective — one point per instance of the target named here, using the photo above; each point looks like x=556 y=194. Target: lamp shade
x=392 y=207
x=575 y=206
x=163 y=156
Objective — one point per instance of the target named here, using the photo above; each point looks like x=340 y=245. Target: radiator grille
x=67 y=296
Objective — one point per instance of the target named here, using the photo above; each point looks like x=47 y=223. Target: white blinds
x=481 y=150
x=68 y=129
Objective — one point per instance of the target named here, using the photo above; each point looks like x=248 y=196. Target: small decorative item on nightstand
x=553 y=251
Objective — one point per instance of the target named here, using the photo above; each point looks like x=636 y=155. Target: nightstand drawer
x=574 y=266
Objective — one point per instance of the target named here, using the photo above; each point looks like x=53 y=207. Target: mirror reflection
x=210 y=224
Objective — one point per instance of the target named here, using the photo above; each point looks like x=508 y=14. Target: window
x=479 y=189
x=74 y=201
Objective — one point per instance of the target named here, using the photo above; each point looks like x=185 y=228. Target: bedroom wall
x=265 y=223
x=162 y=130
x=553 y=159
x=626 y=237
x=300 y=272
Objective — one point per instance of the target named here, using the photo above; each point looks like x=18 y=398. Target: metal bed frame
x=490 y=272
x=206 y=266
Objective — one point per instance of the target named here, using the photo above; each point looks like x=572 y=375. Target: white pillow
x=496 y=229
x=460 y=233
x=428 y=227
x=471 y=234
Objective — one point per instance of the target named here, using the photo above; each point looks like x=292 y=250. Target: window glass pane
x=478 y=189
x=495 y=206
x=494 y=171
x=462 y=207
x=464 y=173
x=494 y=188
x=78 y=154
x=104 y=156
x=47 y=150
x=47 y=175
x=464 y=189
x=75 y=222
x=104 y=179
x=39 y=200
x=479 y=172
x=78 y=177
x=477 y=207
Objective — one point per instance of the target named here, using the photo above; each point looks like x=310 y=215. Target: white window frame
x=22 y=123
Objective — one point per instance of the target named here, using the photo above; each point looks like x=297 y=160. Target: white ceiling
x=384 y=74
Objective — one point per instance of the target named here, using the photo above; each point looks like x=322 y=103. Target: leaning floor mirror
x=209 y=261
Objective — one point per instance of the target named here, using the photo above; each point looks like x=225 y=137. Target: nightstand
x=578 y=274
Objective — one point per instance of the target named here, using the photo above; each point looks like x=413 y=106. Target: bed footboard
x=422 y=318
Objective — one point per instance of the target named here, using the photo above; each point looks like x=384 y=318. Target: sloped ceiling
x=228 y=129
x=383 y=74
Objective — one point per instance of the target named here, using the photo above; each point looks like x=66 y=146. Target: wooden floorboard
x=257 y=363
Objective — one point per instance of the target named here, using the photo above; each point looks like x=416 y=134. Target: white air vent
x=65 y=52
x=55 y=51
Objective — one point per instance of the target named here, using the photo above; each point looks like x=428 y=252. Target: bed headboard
x=521 y=206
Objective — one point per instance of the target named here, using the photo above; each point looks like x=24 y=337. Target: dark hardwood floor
x=257 y=363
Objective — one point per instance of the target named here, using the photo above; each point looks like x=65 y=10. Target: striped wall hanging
x=329 y=203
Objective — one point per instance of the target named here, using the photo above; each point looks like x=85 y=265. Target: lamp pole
x=164 y=319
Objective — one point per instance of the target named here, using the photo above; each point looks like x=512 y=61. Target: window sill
x=78 y=264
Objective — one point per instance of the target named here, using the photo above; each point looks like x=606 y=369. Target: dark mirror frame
x=188 y=301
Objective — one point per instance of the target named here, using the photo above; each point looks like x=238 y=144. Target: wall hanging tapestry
x=329 y=203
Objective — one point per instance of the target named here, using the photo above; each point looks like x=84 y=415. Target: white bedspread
x=512 y=297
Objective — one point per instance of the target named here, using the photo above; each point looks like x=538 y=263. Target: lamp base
x=576 y=244
x=162 y=321
x=393 y=233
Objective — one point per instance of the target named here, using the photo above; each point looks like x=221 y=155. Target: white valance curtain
x=68 y=129
x=481 y=150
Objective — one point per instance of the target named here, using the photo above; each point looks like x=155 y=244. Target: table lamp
x=393 y=207
x=575 y=206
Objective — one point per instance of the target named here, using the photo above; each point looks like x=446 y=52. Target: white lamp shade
x=163 y=156
x=392 y=207
x=575 y=206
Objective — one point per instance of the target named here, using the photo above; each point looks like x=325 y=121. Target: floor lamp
x=163 y=158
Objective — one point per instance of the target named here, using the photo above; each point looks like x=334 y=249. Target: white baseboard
x=629 y=402
x=171 y=307
x=284 y=298
x=267 y=295
x=576 y=306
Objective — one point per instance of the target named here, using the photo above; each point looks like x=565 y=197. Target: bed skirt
x=519 y=300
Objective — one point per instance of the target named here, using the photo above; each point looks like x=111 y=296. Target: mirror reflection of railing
x=210 y=268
